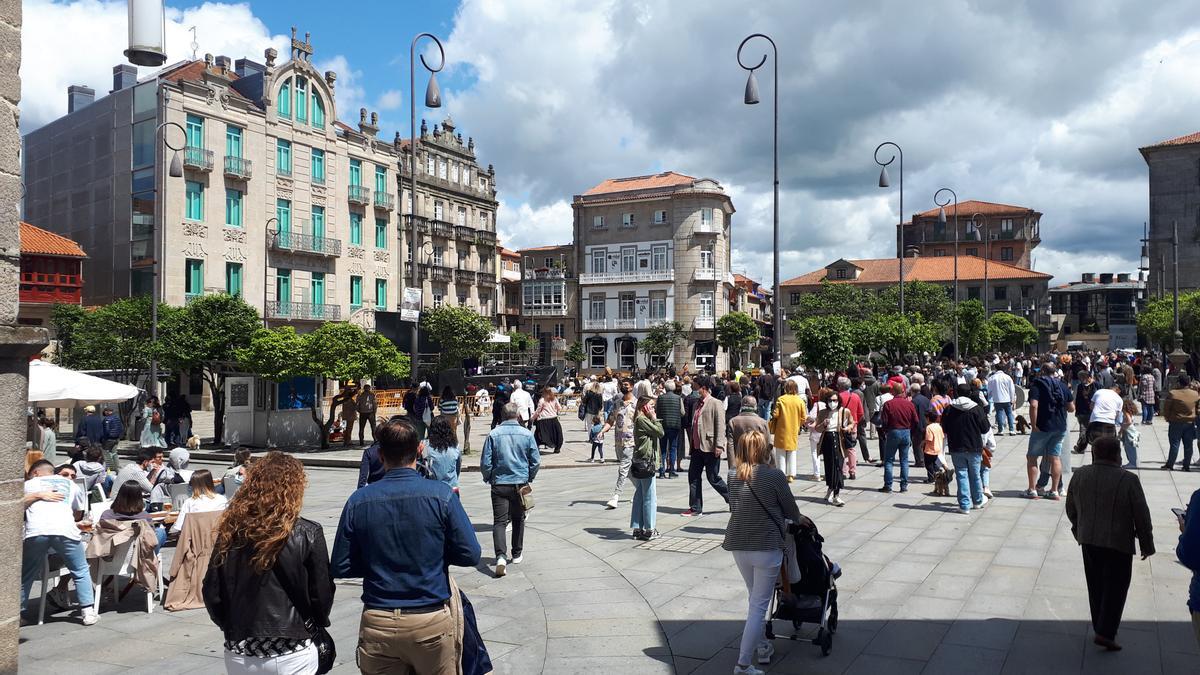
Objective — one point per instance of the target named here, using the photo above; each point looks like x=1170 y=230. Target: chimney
x=246 y=67
x=1106 y=278
x=1089 y=278
x=124 y=76
x=79 y=97
x=1123 y=277
x=224 y=63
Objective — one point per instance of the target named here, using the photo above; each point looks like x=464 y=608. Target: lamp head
x=433 y=95
x=884 y=180
x=176 y=170
x=941 y=215
x=751 y=89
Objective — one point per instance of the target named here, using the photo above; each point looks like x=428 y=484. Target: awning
x=52 y=386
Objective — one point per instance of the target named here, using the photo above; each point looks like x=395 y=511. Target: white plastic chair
x=178 y=493
x=120 y=566
x=231 y=486
x=50 y=579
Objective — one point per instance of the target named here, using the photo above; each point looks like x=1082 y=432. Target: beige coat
x=190 y=564
x=108 y=535
x=712 y=425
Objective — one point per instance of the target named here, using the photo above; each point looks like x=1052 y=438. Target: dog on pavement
x=941 y=483
x=1022 y=425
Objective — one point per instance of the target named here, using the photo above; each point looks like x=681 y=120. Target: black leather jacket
x=246 y=604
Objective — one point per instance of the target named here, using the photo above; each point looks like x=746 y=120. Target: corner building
x=652 y=249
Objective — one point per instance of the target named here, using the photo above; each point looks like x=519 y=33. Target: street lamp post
x=981 y=227
x=884 y=181
x=175 y=171
x=266 y=252
x=1177 y=357
x=751 y=98
x=942 y=219
x=433 y=99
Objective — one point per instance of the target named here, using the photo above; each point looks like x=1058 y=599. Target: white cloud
x=521 y=225
x=80 y=42
x=389 y=100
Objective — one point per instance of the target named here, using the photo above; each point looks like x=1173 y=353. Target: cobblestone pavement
x=925 y=589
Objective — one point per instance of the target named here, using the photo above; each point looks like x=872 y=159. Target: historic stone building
x=1174 y=199
x=550 y=297
x=651 y=249
x=999 y=232
x=279 y=202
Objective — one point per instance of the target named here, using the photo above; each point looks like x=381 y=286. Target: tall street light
x=1177 y=357
x=751 y=98
x=980 y=223
x=175 y=171
x=433 y=99
x=942 y=219
x=884 y=181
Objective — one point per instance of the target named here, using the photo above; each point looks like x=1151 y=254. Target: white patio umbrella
x=52 y=386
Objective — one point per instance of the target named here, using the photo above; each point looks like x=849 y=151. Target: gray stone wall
x=17 y=344
x=1174 y=197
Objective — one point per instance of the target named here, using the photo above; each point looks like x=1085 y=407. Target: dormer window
x=840 y=273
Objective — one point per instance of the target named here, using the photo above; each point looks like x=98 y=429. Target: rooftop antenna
x=195 y=45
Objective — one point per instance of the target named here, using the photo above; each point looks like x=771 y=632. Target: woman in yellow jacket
x=787 y=419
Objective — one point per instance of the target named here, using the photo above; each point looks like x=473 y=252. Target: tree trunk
x=218 y=401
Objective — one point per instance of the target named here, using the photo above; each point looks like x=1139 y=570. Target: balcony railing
x=465 y=233
x=1009 y=235
x=438 y=272
x=358 y=194
x=303 y=311
x=237 y=167
x=707 y=228
x=485 y=278
x=545 y=310
x=553 y=273
x=464 y=276
x=621 y=324
x=384 y=201
x=704 y=322
x=305 y=243
x=442 y=229
x=197 y=159
x=422 y=225
x=641 y=276
x=485 y=238
x=706 y=274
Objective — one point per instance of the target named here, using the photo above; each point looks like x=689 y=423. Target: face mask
x=833 y=405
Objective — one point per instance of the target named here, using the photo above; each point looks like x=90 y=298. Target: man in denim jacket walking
x=509 y=462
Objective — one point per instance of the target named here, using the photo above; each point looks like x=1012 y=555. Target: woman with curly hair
x=268 y=585
x=442 y=453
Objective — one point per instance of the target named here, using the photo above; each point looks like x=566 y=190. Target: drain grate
x=695 y=545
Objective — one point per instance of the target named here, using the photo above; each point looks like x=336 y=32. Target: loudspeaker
x=453 y=378
x=544 y=342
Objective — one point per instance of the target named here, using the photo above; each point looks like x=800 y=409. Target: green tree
x=114 y=337
x=843 y=299
x=204 y=335
x=335 y=350
x=575 y=354
x=736 y=331
x=1157 y=321
x=1012 y=332
x=461 y=333
x=929 y=301
x=896 y=335
x=975 y=333
x=661 y=339
x=825 y=340
x=521 y=342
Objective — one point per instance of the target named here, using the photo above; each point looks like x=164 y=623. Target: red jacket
x=853 y=404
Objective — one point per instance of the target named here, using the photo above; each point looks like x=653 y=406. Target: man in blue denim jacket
x=1188 y=551
x=399 y=534
x=509 y=462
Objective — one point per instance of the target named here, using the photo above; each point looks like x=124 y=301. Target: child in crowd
x=596 y=437
x=985 y=467
x=92 y=469
x=241 y=462
x=443 y=455
x=1130 y=436
x=935 y=441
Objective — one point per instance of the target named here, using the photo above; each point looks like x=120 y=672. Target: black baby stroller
x=813 y=597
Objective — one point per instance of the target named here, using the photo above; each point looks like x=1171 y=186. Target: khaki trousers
x=411 y=644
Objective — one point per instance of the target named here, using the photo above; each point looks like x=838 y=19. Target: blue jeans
x=764 y=409
x=1148 y=410
x=669 y=449
x=34 y=553
x=644 y=504
x=1131 y=449
x=1004 y=412
x=967 y=476
x=901 y=440
x=608 y=406
x=1177 y=432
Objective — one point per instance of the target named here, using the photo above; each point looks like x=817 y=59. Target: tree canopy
x=736 y=331
x=661 y=339
x=461 y=333
x=1157 y=321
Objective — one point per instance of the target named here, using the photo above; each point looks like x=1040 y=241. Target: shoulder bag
x=321 y=639
x=526 y=493
x=642 y=467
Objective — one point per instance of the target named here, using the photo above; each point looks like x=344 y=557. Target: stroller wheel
x=833 y=619
x=824 y=640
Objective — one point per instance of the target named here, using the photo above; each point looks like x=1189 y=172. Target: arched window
x=284 y=101
x=318 y=111
x=301 y=99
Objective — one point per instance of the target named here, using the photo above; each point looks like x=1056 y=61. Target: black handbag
x=326 y=649
x=642 y=467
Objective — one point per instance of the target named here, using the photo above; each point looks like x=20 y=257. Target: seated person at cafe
x=129 y=505
x=241 y=462
x=204 y=498
x=92 y=469
x=144 y=471
x=53 y=507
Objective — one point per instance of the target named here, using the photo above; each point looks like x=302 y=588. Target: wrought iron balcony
x=441 y=228
x=358 y=194
x=465 y=233
x=485 y=238
x=303 y=311
x=422 y=225
x=438 y=272
x=305 y=243
x=384 y=201
x=197 y=159
x=237 y=167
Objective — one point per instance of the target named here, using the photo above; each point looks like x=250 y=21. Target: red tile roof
x=937 y=269
x=544 y=248
x=38 y=241
x=633 y=183
x=194 y=71
x=1181 y=140
x=972 y=206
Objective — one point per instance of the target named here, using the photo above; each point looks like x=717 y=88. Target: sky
x=1025 y=102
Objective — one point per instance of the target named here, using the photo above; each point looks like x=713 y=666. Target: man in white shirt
x=524 y=402
x=53 y=506
x=801 y=383
x=1001 y=392
x=1106 y=413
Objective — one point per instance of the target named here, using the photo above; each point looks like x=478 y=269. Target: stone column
x=17 y=343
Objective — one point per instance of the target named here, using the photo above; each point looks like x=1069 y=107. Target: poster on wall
x=410 y=304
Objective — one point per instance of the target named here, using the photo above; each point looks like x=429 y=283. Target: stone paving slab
x=925 y=589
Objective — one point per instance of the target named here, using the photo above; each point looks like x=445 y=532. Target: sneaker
x=500 y=565
x=965 y=512
x=904 y=488
x=746 y=670
x=637 y=533
x=764 y=653
x=690 y=513
x=984 y=502
x=1052 y=496
x=517 y=560
x=1044 y=494
x=612 y=503
x=1030 y=494
x=1166 y=467
x=90 y=617
x=852 y=476
x=837 y=501
x=672 y=475
x=987 y=492
x=650 y=535
x=885 y=489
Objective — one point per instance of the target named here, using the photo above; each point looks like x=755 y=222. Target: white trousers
x=785 y=461
x=814 y=449
x=303 y=662
x=760 y=571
